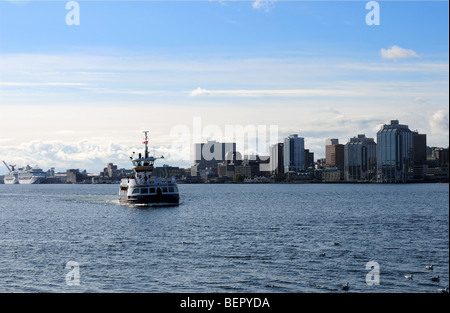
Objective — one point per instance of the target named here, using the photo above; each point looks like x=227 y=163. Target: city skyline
x=213 y=152
x=80 y=93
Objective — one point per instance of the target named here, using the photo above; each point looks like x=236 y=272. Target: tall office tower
x=420 y=155
x=334 y=153
x=211 y=153
x=420 y=148
x=309 y=159
x=276 y=159
x=395 y=153
x=360 y=159
x=294 y=153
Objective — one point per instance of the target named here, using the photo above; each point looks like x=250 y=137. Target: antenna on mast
x=145 y=142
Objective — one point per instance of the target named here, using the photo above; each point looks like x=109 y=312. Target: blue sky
x=83 y=93
x=234 y=26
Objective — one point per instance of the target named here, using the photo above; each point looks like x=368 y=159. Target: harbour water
x=225 y=238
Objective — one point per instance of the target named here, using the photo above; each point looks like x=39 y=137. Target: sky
x=79 y=96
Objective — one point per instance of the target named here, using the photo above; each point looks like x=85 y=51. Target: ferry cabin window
x=164 y=189
x=152 y=190
x=144 y=190
x=170 y=189
x=142 y=163
x=135 y=190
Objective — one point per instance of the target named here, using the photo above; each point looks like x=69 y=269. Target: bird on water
x=346 y=287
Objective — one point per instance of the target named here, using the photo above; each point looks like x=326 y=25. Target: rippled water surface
x=225 y=238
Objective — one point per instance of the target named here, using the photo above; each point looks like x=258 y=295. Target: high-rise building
x=334 y=153
x=309 y=159
x=441 y=155
x=360 y=159
x=395 y=153
x=276 y=159
x=211 y=153
x=294 y=153
x=420 y=155
x=420 y=148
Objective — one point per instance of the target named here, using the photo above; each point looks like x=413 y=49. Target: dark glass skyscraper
x=360 y=162
x=294 y=153
x=395 y=153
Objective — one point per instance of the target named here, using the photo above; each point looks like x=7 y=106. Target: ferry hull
x=152 y=199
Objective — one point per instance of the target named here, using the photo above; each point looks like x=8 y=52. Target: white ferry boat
x=27 y=175
x=144 y=188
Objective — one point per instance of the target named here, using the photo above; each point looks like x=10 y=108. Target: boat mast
x=145 y=142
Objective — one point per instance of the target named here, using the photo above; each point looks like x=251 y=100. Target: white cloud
x=199 y=92
x=396 y=52
x=439 y=122
x=275 y=92
x=34 y=84
x=262 y=4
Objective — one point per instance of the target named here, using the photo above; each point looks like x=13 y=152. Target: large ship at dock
x=142 y=187
x=24 y=175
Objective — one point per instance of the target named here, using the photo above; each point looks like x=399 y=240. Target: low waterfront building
x=438 y=164
x=167 y=171
x=226 y=170
x=329 y=174
x=74 y=176
x=253 y=166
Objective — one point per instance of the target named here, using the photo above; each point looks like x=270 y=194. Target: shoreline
x=444 y=182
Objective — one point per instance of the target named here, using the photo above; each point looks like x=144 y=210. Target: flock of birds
x=435 y=279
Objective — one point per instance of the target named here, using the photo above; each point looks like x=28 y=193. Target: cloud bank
x=275 y=92
x=83 y=154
